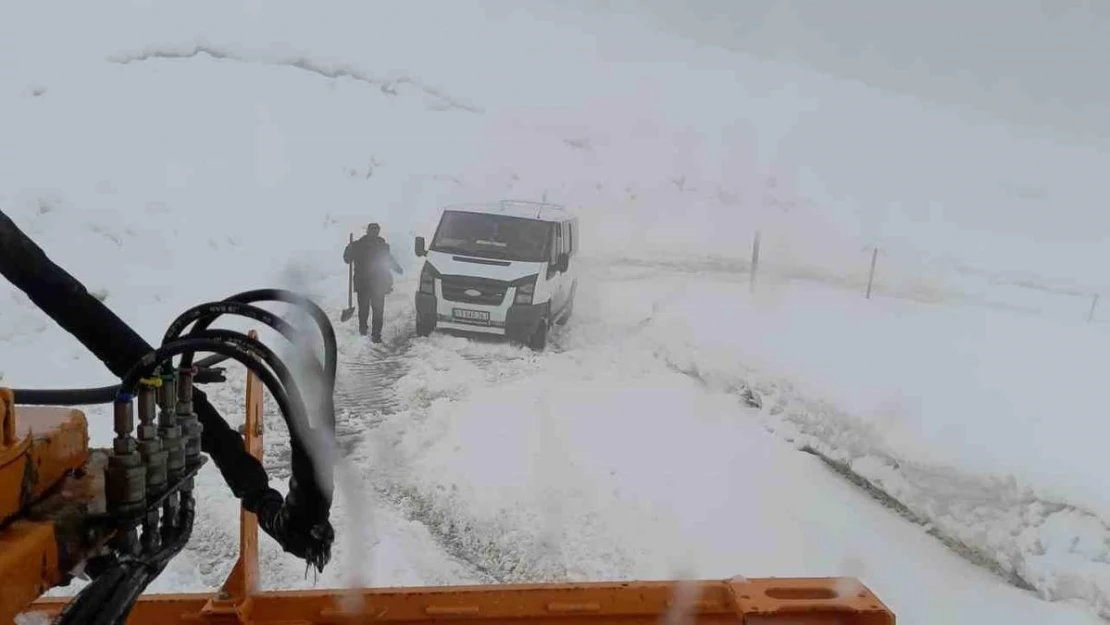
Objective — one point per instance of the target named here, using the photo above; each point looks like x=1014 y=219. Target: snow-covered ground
x=172 y=155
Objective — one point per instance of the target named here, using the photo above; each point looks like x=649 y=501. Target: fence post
x=755 y=260
x=871 y=276
x=1094 y=304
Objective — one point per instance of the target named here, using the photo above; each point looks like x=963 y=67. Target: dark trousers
x=367 y=302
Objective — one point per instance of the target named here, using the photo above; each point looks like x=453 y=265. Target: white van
x=505 y=268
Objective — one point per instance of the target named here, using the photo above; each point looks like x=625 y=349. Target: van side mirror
x=563 y=263
x=421 y=250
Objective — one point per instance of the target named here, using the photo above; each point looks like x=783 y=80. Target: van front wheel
x=538 y=340
x=424 y=325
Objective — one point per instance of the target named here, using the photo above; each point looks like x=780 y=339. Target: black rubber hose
x=94 y=395
x=118 y=607
x=208 y=312
x=327 y=331
x=305 y=465
x=147 y=364
x=262 y=352
x=66 y=396
x=112 y=600
x=205 y=314
x=303 y=437
x=83 y=609
x=65 y=300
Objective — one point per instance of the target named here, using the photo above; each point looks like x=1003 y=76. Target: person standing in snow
x=372 y=278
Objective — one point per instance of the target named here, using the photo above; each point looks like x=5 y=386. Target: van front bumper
x=520 y=322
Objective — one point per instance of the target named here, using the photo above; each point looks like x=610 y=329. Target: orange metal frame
x=54 y=442
x=795 y=601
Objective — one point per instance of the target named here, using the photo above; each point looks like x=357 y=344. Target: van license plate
x=471 y=315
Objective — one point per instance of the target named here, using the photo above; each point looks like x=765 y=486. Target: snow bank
x=980 y=422
x=599 y=460
x=175 y=156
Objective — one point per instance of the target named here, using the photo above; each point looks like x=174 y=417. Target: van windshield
x=493 y=236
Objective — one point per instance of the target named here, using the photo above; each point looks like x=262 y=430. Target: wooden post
x=871 y=276
x=755 y=260
x=1094 y=304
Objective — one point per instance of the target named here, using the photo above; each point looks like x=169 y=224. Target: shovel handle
x=350 y=273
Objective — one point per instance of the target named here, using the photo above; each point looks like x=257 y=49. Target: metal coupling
x=150 y=444
x=125 y=477
x=168 y=428
x=151 y=538
x=191 y=428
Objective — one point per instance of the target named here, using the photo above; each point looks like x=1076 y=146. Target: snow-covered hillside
x=1035 y=63
x=171 y=155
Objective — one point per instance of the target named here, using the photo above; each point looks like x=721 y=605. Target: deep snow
x=174 y=155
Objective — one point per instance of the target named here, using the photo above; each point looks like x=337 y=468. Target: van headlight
x=428 y=279
x=525 y=289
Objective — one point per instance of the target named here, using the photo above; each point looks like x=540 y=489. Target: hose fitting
x=125 y=479
x=191 y=429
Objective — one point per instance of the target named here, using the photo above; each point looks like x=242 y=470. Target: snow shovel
x=350 y=309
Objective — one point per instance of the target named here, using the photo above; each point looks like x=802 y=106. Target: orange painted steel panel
x=51 y=443
x=777 y=601
x=7 y=419
x=28 y=565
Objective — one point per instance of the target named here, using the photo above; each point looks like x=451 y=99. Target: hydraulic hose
x=65 y=300
x=95 y=395
x=82 y=610
x=66 y=396
x=109 y=599
x=295 y=418
x=119 y=606
x=205 y=314
x=327 y=331
x=310 y=487
x=209 y=311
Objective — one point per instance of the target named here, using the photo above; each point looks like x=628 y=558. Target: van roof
x=541 y=211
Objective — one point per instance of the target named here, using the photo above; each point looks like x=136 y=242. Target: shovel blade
x=346 y=314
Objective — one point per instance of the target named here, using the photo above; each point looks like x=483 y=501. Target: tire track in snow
x=366 y=395
x=449 y=367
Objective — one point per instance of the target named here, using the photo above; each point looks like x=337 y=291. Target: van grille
x=489 y=292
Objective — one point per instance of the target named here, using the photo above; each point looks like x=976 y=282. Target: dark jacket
x=373 y=262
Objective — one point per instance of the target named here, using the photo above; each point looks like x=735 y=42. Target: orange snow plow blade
x=796 y=601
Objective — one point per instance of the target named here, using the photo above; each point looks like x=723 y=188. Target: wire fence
x=879 y=272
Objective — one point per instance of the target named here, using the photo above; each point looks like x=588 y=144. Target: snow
x=176 y=155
